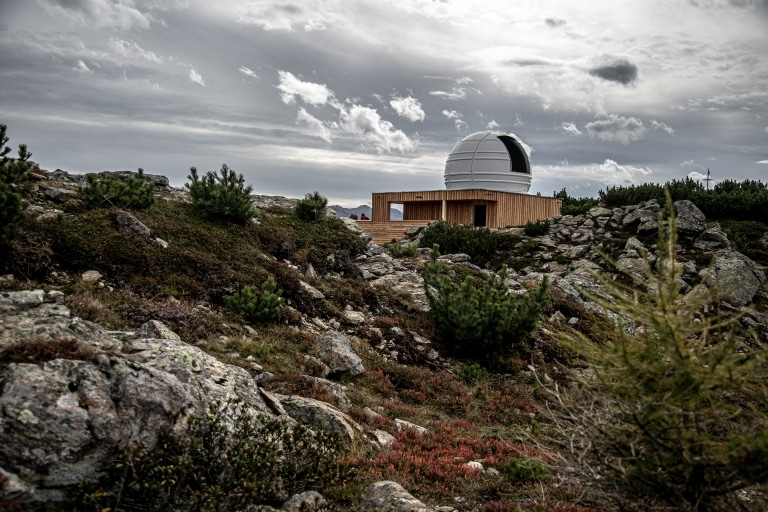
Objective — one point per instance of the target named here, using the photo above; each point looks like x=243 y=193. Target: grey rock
x=599 y=211
x=735 y=278
x=712 y=239
x=310 y=290
x=413 y=231
x=128 y=224
x=159 y=243
x=60 y=195
x=353 y=317
x=336 y=390
x=455 y=258
x=402 y=424
x=336 y=351
x=690 y=220
x=307 y=501
x=322 y=416
x=390 y=497
x=156 y=329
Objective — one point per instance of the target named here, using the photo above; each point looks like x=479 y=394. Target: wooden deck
x=386 y=232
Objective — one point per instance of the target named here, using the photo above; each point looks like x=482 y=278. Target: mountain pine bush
x=312 y=207
x=221 y=197
x=479 y=243
x=257 y=306
x=135 y=192
x=13 y=173
x=671 y=413
x=485 y=319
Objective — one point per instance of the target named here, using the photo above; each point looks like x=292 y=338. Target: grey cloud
x=621 y=71
x=616 y=129
x=555 y=22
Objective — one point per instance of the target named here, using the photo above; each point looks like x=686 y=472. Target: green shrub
x=517 y=470
x=257 y=306
x=483 y=320
x=473 y=373
x=479 y=243
x=221 y=197
x=671 y=414
x=111 y=190
x=402 y=251
x=13 y=173
x=538 y=228
x=312 y=207
x=573 y=206
x=262 y=462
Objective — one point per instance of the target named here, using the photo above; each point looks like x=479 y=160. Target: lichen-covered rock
x=335 y=350
x=734 y=277
x=128 y=224
x=690 y=220
x=320 y=416
x=391 y=497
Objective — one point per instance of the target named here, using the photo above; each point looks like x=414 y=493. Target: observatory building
x=487 y=178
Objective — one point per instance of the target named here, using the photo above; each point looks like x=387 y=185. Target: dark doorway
x=480 y=212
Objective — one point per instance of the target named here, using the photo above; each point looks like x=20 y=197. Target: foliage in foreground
x=672 y=415
x=257 y=305
x=111 y=190
x=312 y=207
x=13 y=173
x=209 y=469
x=221 y=197
x=482 y=320
x=479 y=243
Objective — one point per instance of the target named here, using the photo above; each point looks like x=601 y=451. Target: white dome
x=488 y=161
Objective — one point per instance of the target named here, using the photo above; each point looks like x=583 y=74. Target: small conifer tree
x=135 y=192
x=312 y=207
x=485 y=319
x=256 y=305
x=672 y=412
x=13 y=173
x=221 y=197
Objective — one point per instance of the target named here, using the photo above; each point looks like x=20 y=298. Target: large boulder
x=320 y=416
x=690 y=220
x=79 y=393
x=734 y=277
x=391 y=497
x=335 y=350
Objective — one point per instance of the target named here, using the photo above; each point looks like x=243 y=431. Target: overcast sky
x=350 y=97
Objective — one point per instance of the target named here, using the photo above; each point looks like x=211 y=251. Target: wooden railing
x=388 y=231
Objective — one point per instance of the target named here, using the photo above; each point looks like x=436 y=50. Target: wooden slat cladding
x=385 y=232
x=502 y=208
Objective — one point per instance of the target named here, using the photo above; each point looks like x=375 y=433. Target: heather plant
x=479 y=243
x=538 y=228
x=222 y=196
x=312 y=207
x=256 y=305
x=112 y=191
x=208 y=468
x=481 y=319
x=517 y=470
x=671 y=410
x=13 y=174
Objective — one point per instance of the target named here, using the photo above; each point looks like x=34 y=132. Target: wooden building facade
x=474 y=207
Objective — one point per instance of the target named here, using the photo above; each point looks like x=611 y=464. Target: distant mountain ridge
x=394 y=214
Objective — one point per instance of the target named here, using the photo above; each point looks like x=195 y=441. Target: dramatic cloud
x=452 y=114
x=307 y=16
x=196 y=77
x=110 y=14
x=248 y=72
x=554 y=22
x=694 y=175
x=620 y=70
x=409 y=108
x=616 y=129
x=290 y=87
x=131 y=50
x=570 y=129
x=658 y=125
x=316 y=127
x=366 y=122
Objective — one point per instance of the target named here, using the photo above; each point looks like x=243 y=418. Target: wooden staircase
x=385 y=232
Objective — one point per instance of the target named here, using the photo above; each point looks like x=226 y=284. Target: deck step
x=386 y=232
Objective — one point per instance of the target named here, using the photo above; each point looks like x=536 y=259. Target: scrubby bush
x=257 y=305
x=517 y=470
x=262 y=462
x=671 y=412
x=473 y=373
x=13 y=173
x=221 y=197
x=402 y=251
x=479 y=243
x=483 y=319
x=574 y=206
x=312 y=207
x=111 y=190
x=538 y=228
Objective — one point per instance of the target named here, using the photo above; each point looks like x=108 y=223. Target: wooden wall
x=503 y=208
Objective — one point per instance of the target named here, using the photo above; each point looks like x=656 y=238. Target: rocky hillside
x=114 y=333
